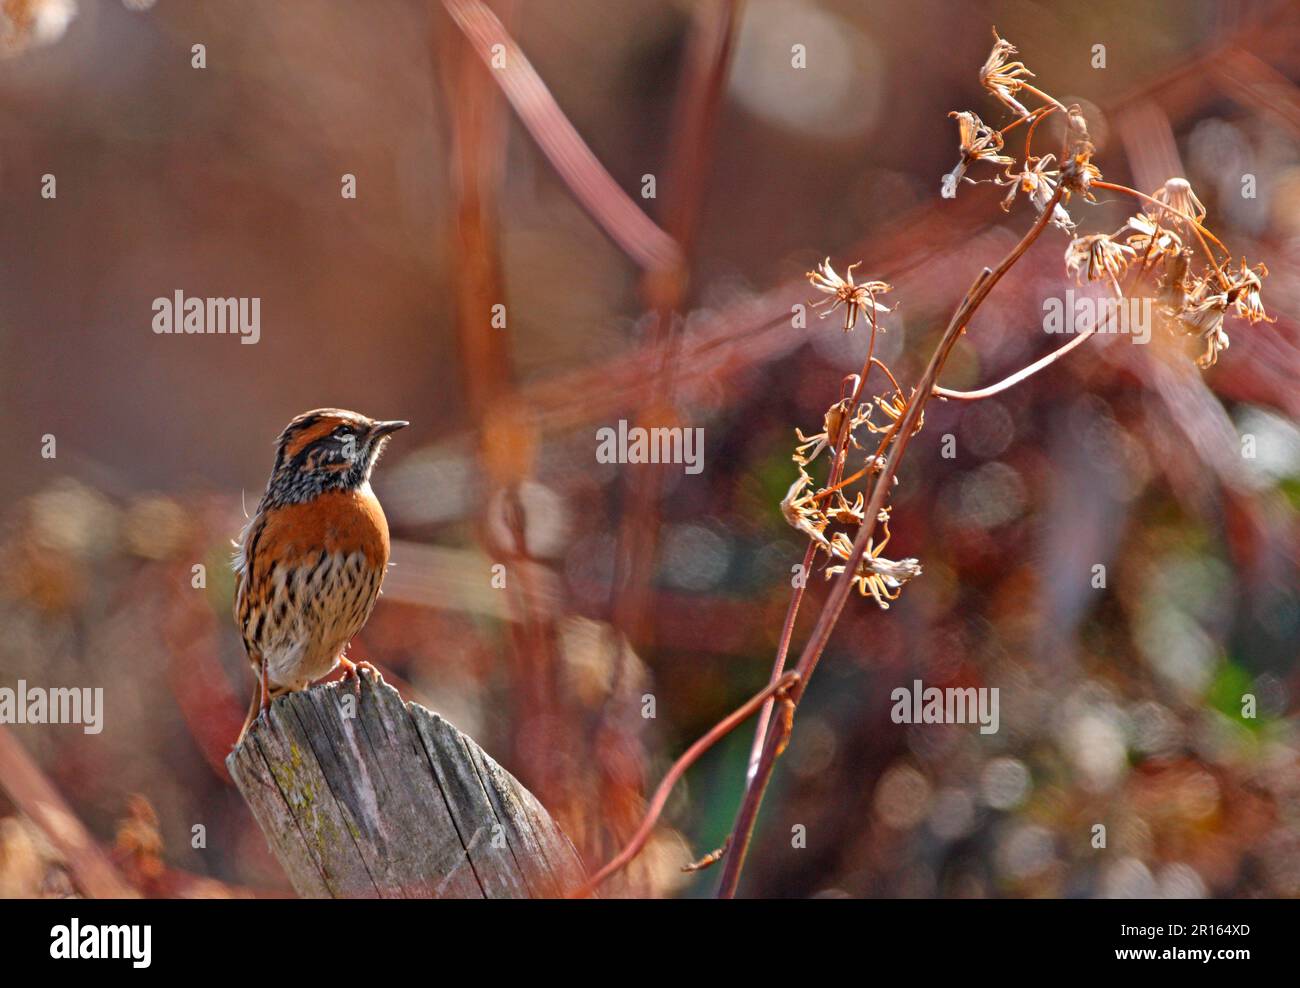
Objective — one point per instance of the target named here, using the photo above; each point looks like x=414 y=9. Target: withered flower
x=1176 y=282
x=842 y=291
x=1178 y=195
x=1038 y=181
x=1244 y=293
x=882 y=578
x=1200 y=305
x=978 y=142
x=1077 y=125
x=834 y=422
x=844 y=513
x=809 y=448
x=801 y=510
x=894 y=407
x=1079 y=172
x=1149 y=238
x=1202 y=317
x=1097 y=256
x=1003 y=77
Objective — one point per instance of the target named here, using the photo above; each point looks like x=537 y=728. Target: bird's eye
x=343 y=432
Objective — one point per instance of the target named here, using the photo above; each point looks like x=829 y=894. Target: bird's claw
x=356 y=669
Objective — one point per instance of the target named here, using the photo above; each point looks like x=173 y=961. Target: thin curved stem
x=1052 y=100
x=1029 y=134
x=573 y=160
x=889 y=374
x=679 y=767
x=1041 y=111
x=1018 y=376
x=778 y=664
x=903 y=430
x=1032 y=369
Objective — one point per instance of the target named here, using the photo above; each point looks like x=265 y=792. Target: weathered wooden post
x=362 y=795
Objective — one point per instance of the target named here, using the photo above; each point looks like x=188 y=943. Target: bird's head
x=328 y=449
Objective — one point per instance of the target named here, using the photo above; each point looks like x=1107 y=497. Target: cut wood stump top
x=363 y=795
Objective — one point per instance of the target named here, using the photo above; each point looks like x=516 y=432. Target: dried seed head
x=1213 y=335
x=834 y=423
x=1078 y=127
x=801 y=512
x=1097 y=256
x=1178 y=195
x=897 y=572
x=977 y=142
x=809 y=447
x=895 y=408
x=1079 y=172
x=856 y=299
x=1149 y=239
x=1038 y=181
x=1202 y=317
x=844 y=513
x=1244 y=293
x=882 y=578
x=1003 y=77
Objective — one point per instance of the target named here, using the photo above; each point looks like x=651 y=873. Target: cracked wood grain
x=361 y=795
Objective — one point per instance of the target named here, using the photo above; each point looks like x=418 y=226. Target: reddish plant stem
x=1034 y=115
x=665 y=290
x=1033 y=126
x=778 y=667
x=602 y=197
x=688 y=758
x=903 y=430
x=796 y=597
x=1052 y=100
x=1047 y=360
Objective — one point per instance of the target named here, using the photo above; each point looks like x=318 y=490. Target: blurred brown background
x=1121 y=707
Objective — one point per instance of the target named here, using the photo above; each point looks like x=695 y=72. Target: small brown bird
x=312 y=558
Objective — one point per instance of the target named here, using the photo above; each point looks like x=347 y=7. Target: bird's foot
x=356 y=669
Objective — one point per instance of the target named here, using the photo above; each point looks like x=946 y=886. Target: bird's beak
x=387 y=428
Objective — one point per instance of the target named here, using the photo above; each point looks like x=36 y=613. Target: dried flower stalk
x=1164 y=249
